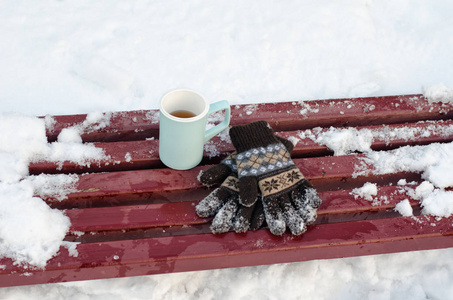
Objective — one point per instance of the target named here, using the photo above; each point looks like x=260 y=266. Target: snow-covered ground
x=59 y=57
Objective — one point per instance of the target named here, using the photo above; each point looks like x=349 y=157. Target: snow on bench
x=132 y=216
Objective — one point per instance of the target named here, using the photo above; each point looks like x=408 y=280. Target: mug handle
x=214 y=107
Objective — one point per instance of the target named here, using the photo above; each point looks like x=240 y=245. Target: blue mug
x=182 y=131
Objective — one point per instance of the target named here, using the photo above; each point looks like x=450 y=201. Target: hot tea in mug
x=183 y=114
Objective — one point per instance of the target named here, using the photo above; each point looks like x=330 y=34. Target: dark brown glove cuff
x=253 y=135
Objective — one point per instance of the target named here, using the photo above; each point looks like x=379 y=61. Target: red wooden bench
x=132 y=216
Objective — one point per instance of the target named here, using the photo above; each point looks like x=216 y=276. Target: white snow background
x=63 y=57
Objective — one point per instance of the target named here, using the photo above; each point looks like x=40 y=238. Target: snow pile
x=367 y=191
x=81 y=154
x=55 y=187
x=404 y=208
x=22 y=140
x=30 y=231
x=344 y=141
x=434 y=162
x=93 y=122
x=436 y=202
x=70 y=147
x=439 y=93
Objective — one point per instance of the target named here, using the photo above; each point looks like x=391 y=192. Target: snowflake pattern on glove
x=232 y=183
x=271 y=185
x=294 y=176
x=280 y=182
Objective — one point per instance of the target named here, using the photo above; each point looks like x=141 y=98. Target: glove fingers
x=274 y=216
x=214 y=175
x=306 y=202
x=258 y=216
x=309 y=215
x=313 y=197
x=314 y=202
x=310 y=193
x=211 y=204
x=223 y=220
x=298 y=197
x=304 y=210
x=243 y=217
x=294 y=221
x=248 y=190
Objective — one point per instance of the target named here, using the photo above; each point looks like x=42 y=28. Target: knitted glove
x=264 y=166
x=223 y=202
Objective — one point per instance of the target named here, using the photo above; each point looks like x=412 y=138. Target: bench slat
x=143 y=154
x=208 y=251
x=167 y=185
x=282 y=116
x=337 y=206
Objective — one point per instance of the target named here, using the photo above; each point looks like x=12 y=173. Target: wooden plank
x=134 y=155
x=128 y=155
x=337 y=206
x=167 y=185
x=282 y=116
x=142 y=233
x=134 y=217
x=208 y=251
